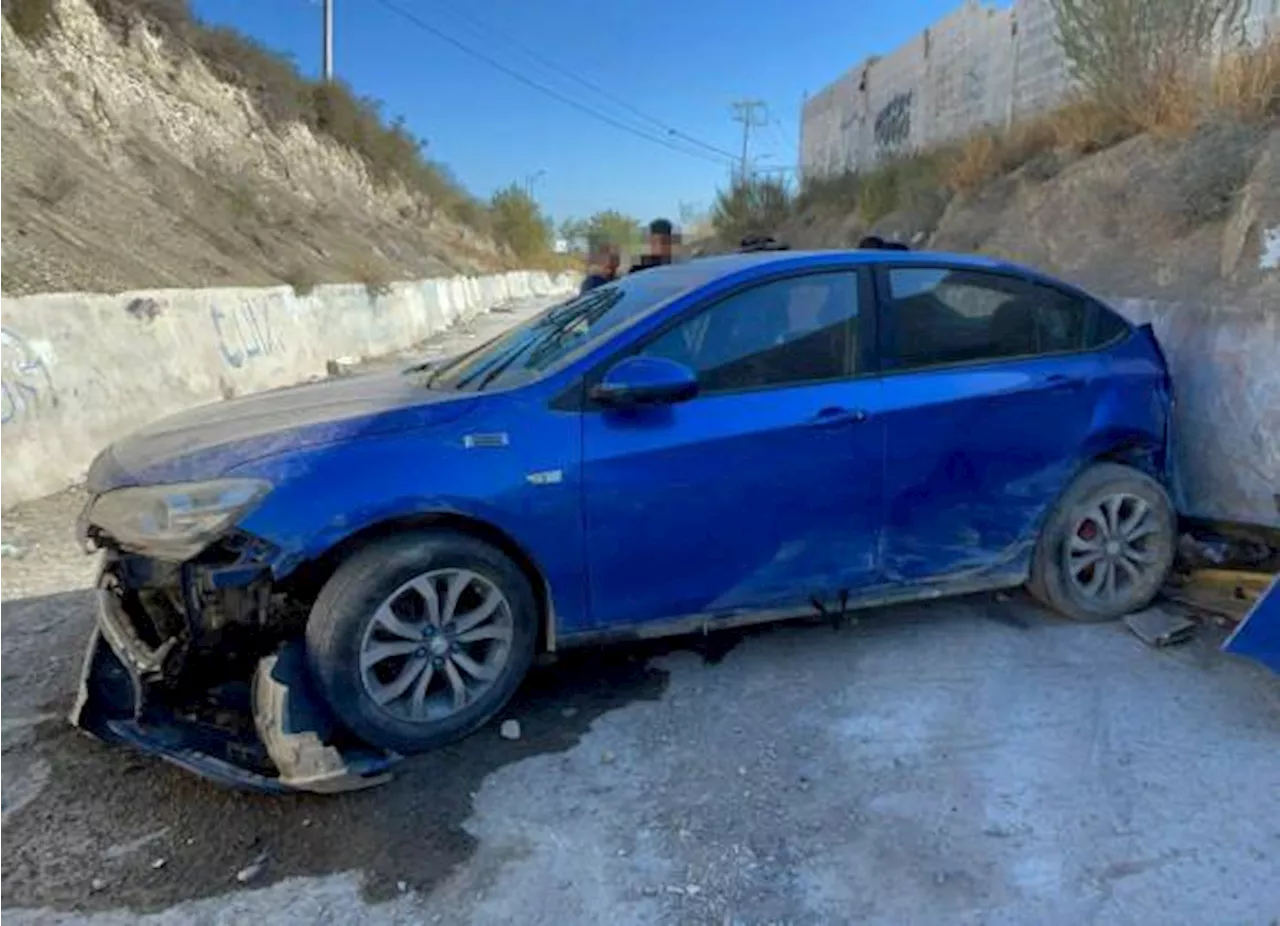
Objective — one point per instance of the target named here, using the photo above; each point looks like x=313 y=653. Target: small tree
x=1136 y=55
x=755 y=206
x=573 y=231
x=613 y=227
x=518 y=221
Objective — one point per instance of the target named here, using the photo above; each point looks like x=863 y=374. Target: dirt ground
x=967 y=761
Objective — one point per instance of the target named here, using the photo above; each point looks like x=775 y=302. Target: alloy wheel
x=1111 y=549
x=436 y=644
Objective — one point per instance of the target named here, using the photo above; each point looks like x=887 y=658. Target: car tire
x=375 y=603
x=1107 y=546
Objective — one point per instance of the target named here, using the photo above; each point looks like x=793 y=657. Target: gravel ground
x=968 y=761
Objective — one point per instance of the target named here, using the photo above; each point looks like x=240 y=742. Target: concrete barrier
x=80 y=371
x=1226 y=380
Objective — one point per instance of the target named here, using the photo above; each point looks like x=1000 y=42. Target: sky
x=679 y=63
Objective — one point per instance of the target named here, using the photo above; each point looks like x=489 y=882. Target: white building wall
x=977 y=66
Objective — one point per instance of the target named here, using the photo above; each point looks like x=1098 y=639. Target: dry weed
x=1083 y=126
x=1208 y=172
x=374 y=274
x=833 y=194
x=302 y=278
x=1247 y=84
x=1173 y=107
x=978 y=163
x=986 y=156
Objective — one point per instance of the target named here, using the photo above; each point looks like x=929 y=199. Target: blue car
x=302 y=585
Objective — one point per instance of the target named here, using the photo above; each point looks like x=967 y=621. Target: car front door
x=989 y=400
x=762 y=491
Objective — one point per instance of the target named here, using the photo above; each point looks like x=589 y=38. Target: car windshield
x=533 y=347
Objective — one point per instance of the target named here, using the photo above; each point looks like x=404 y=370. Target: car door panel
x=982 y=438
x=732 y=502
x=974 y=457
x=755 y=494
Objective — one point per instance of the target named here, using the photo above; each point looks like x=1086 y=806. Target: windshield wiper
x=545 y=334
x=540 y=348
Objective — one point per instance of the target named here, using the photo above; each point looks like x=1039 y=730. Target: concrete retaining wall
x=81 y=370
x=978 y=66
x=1227 y=418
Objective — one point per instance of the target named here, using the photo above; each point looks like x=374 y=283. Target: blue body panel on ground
x=1258 y=635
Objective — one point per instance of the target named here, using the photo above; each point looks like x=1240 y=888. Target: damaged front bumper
x=269 y=735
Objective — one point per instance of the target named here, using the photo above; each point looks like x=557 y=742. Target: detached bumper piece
x=1257 y=637
x=270 y=735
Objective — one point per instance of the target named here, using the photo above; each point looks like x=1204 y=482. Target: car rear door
x=762 y=491
x=989 y=400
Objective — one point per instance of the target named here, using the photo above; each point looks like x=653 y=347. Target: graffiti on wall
x=28 y=387
x=244 y=332
x=892 y=126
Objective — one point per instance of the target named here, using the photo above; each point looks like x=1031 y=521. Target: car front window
x=534 y=347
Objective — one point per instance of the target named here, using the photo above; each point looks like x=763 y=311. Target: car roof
x=694 y=273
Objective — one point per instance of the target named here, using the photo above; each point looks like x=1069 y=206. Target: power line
x=584 y=82
x=775 y=125
x=542 y=88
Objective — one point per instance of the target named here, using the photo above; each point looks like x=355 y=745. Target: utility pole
x=531 y=179
x=745 y=111
x=328 y=41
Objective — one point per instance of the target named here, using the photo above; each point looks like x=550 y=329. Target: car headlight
x=174 y=521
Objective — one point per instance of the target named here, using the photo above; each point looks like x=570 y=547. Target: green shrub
x=755 y=206
x=906 y=182
x=519 y=223
x=833 y=194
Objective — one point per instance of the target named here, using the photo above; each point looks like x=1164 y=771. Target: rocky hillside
x=1171 y=218
x=130 y=160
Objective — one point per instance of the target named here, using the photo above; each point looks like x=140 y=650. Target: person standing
x=661 y=241
x=606 y=263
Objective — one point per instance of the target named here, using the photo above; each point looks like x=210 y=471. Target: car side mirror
x=645 y=381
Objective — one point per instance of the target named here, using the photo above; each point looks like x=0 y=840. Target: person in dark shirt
x=661 y=237
x=606 y=263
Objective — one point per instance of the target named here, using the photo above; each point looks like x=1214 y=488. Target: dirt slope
x=126 y=165
x=1161 y=218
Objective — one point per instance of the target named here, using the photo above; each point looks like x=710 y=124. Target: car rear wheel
x=1107 y=547
x=418 y=639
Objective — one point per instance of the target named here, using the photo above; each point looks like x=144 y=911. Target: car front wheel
x=1108 y=545
x=420 y=638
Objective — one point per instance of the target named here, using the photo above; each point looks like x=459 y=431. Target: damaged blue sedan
x=302 y=585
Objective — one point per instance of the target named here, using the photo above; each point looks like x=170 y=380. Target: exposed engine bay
x=202 y=663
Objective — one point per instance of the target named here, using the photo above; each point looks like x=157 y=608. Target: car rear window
x=938 y=316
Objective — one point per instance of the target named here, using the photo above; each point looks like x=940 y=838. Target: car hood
x=208 y=441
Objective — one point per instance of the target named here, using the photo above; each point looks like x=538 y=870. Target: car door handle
x=834 y=417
